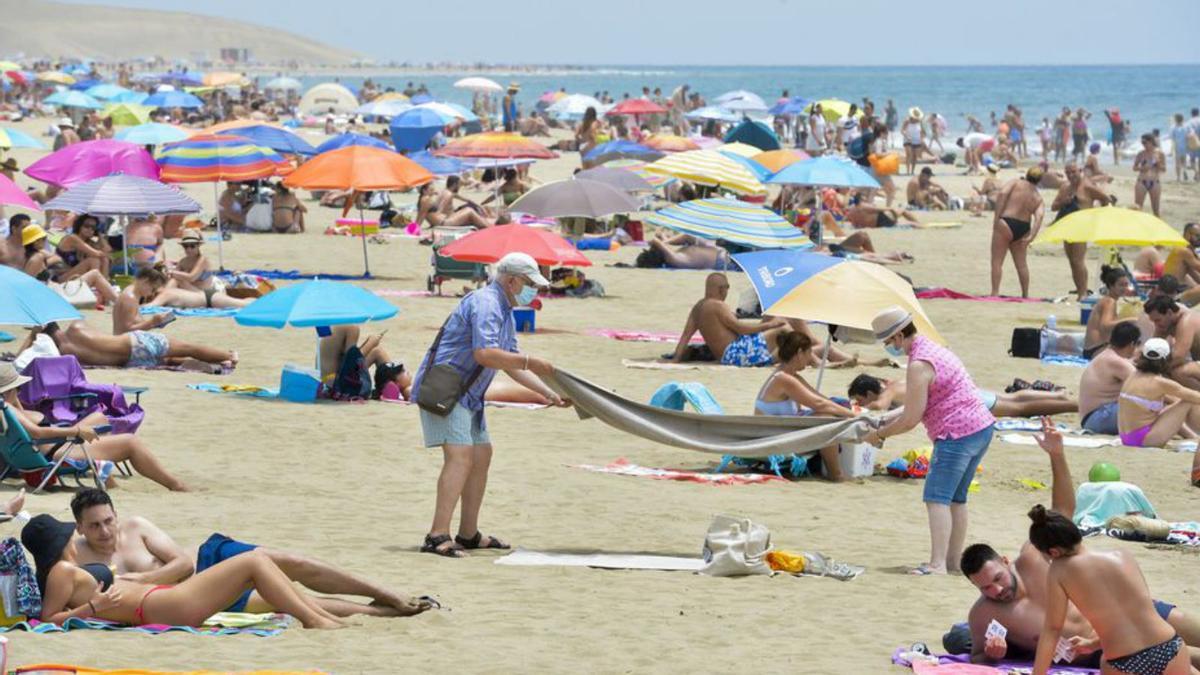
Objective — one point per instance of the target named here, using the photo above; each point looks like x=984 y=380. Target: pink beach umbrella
x=89 y=160
x=12 y=195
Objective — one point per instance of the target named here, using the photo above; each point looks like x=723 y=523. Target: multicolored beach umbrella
x=707 y=167
x=620 y=149
x=496 y=144
x=733 y=221
x=11 y=138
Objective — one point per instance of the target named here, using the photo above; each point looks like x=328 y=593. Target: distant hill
x=57 y=29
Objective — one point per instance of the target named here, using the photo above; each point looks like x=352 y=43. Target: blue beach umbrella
x=24 y=301
x=348 y=139
x=412 y=130
x=151 y=133
x=105 y=90
x=12 y=138
x=438 y=166
x=733 y=221
x=754 y=133
x=182 y=78
x=825 y=172
x=790 y=106
x=279 y=140
x=73 y=99
x=173 y=99
x=135 y=97
x=421 y=98
x=607 y=152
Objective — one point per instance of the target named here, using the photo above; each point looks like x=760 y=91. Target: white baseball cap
x=523 y=265
x=1156 y=349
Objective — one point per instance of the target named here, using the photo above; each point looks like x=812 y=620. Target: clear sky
x=733 y=32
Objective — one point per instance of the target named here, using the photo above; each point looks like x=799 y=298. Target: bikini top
x=101 y=573
x=1152 y=406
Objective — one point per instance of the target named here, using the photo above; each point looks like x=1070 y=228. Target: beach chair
x=445 y=269
x=60 y=391
x=25 y=457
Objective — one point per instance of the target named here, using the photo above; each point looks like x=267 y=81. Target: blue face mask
x=894 y=350
x=526 y=296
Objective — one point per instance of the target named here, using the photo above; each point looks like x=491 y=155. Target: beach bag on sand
x=1026 y=343
x=736 y=547
x=75 y=292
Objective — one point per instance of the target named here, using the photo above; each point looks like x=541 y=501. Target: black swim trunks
x=882 y=220
x=1090 y=353
x=1019 y=228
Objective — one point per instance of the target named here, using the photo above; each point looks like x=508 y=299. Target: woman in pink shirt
x=941 y=395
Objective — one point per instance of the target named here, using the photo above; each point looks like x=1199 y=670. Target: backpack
x=1026 y=343
x=352 y=382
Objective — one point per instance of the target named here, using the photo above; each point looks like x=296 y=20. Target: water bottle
x=1052 y=322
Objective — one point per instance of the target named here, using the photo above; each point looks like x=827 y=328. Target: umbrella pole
x=125 y=245
x=362 y=231
x=220 y=234
x=824 y=357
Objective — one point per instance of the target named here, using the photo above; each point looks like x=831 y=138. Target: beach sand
x=351 y=484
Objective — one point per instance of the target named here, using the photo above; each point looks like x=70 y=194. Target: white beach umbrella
x=574 y=106
x=482 y=84
x=387 y=108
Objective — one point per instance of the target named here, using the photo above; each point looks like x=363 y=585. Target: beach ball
x=1103 y=472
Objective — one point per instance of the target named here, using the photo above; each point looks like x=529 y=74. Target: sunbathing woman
x=85 y=243
x=137 y=349
x=162 y=294
x=1104 y=315
x=786 y=393
x=193 y=272
x=114 y=448
x=91 y=590
x=438 y=209
x=44 y=265
x=873 y=393
x=1153 y=408
x=1109 y=590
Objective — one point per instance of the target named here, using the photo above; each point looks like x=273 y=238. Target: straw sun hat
x=10 y=378
x=889 y=322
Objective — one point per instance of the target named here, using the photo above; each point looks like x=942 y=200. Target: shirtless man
x=13 y=252
x=138 y=349
x=1014 y=593
x=925 y=194
x=1181 y=327
x=1019 y=212
x=136 y=550
x=1101 y=382
x=1078 y=192
x=882 y=395
x=1183 y=264
x=683 y=252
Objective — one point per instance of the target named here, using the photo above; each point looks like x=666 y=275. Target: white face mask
x=526 y=295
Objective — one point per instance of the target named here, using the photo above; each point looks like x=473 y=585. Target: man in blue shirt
x=508 y=108
x=480 y=335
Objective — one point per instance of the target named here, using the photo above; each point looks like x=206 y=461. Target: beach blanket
x=403 y=293
x=948 y=294
x=960 y=664
x=297 y=274
x=1095 y=503
x=655 y=364
x=1065 y=360
x=60 y=668
x=1092 y=442
x=262 y=625
x=200 y=367
x=641 y=335
x=740 y=435
x=610 y=561
x=1033 y=424
x=190 y=311
x=623 y=467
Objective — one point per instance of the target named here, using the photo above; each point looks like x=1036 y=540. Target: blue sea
x=1146 y=95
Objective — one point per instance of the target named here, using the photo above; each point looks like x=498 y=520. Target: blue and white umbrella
x=714 y=113
x=825 y=171
x=733 y=221
x=389 y=108
x=152 y=133
x=121 y=195
x=789 y=106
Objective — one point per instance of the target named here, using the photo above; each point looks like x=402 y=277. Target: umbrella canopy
x=707 y=167
x=832 y=109
x=414 y=129
x=733 y=221
x=11 y=194
x=760 y=172
x=498 y=144
x=136 y=97
x=105 y=91
x=173 y=99
x=493 y=243
x=829 y=290
x=181 y=78
x=575 y=199
x=670 y=143
x=607 y=152
x=152 y=133
x=825 y=171
x=73 y=99
x=739 y=149
x=283 y=84
x=739 y=95
x=482 y=84
x=348 y=139
x=639 y=169
x=326 y=98
x=789 y=106
x=754 y=133
x=742 y=101
x=124 y=196
x=82 y=162
x=309 y=304
x=11 y=138
x=278 y=139
x=384 y=108
x=359 y=167
x=25 y=301
x=618 y=178
x=221 y=128
x=573 y=106
x=55 y=77
x=1111 y=226
x=636 y=106
x=714 y=113
x=127 y=113
x=224 y=79
x=207 y=159
x=9 y=65
x=439 y=166
x=448 y=112
x=776 y=160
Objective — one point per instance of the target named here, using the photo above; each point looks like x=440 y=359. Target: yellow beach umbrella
x=127 y=114
x=832 y=109
x=740 y=149
x=1111 y=226
x=777 y=160
x=55 y=77
x=711 y=168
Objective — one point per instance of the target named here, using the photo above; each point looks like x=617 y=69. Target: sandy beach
x=350 y=483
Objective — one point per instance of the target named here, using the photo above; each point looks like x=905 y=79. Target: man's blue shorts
x=219 y=548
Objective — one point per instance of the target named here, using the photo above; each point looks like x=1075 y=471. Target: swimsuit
x=1090 y=353
x=1019 y=228
x=1070 y=207
x=147 y=349
x=101 y=573
x=208 y=296
x=884 y=220
x=219 y=548
x=1152 y=660
x=785 y=408
x=139 y=614
x=1137 y=437
x=747 y=351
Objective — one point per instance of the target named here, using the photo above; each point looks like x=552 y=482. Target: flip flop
x=921 y=570
x=474 y=542
x=433 y=543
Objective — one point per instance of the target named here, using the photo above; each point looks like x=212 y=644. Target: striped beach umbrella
x=497 y=144
x=707 y=167
x=11 y=138
x=670 y=143
x=732 y=221
x=122 y=195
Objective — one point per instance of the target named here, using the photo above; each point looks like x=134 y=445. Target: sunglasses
x=190 y=245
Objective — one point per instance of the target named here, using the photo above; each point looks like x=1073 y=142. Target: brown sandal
x=433 y=544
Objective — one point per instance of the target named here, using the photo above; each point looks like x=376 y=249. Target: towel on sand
x=960 y=664
x=641 y=335
x=262 y=625
x=609 y=561
x=948 y=294
x=740 y=435
x=59 y=668
x=1095 y=503
x=190 y=311
x=623 y=467
x=1065 y=360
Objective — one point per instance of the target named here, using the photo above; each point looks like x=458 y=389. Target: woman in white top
x=913 y=133
x=815 y=145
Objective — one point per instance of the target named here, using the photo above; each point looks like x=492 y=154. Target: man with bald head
x=733 y=342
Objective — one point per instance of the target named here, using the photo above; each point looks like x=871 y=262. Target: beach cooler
x=525 y=318
x=857 y=460
x=1085 y=309
x=299 y=385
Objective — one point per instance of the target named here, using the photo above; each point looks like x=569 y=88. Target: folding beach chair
x=26 y=458
x=60 y=391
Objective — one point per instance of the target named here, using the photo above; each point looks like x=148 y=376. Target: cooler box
x=525 y=318
x=299 y=385
x=357 y=226
x=857 y=460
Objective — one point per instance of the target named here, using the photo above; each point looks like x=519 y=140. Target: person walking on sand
x=477 y=339
x=1077 y=193
x=940 y=394
x=1018 y=217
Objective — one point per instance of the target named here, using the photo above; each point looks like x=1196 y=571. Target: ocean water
x=1146 y=95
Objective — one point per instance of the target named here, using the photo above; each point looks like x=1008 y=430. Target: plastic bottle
x=1052 y=322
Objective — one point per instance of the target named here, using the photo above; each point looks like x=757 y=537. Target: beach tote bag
x=75 y=292
x=736 y=547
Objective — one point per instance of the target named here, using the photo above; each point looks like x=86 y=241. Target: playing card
x=996 y=629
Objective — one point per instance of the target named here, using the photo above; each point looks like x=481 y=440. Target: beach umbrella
x=776 y=160
x=829 y=290
x=481 y=84
x=182 y=78
x=222 y=128
x=1111 y=226
x=493 y=243
x=330 y=97
x=421 y=98
x=714 y=113
x=127 y=114
x=754 y=133
x=224 y=79
x=25 y=301
x=635 y=107
x=710 y=168
x=438 y=166
x=449 y=111
x=639 y=169
x=152 y=133
x=386 y=108
x=620 y=149
x=496 y=144
x=210 y=159
x=670 y=143
x=575 y=199
x=84 y=85
x=163 y=88
x=12 y=138
x=733 y=221
x=276 y=138
x=105 y=91
x=11 y=194
x=832 y=109
x=15 y=76
x=9 y=65
x=348 y=139
x=738 y=149
x=391 y=96
x=134 y=97
x=84 y=161
x=121 y=195
x=55 y=77
x=760 y=172
x=789 y=106
x=360 y=168
x=621 y=179
x=740 y=95
x=413 y=130
x=73 y=99
x=828 y=171
x=749 y=102
x=173 y=99
x=283 y=84
x=477 y=163
x=314 y=304
x=573 y=106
